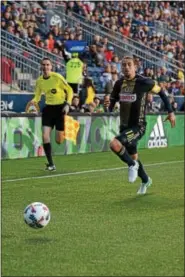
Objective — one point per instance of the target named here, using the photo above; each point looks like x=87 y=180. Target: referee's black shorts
x=52 y=116
x=129 y=137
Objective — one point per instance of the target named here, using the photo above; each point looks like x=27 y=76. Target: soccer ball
x=37 y=215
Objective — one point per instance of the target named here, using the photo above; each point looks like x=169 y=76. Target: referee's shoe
x=50 y=167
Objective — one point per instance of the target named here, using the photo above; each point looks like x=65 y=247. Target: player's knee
x=115 y=145
x=45 y=138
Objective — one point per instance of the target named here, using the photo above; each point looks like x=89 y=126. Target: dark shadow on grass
x=149 y=201
x=39 y=240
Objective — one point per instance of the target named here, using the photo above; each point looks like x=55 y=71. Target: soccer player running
x=58 y=96
x=131 y=91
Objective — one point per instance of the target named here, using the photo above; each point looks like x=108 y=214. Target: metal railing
x=19 y=71
x=159 y=26
x=142 y=51
x=24 y=45
x=20 y=61
x=163 y=28
x=120 y=45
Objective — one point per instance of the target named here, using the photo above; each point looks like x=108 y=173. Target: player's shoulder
x=144 y=80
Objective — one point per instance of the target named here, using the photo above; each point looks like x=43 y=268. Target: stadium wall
x=21 y=135
x=16 y=102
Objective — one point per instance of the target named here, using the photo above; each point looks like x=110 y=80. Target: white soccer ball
x=37 y=215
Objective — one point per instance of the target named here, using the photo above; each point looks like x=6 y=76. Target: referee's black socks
x=47 y=150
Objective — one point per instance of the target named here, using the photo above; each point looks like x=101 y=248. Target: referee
x=58 y=96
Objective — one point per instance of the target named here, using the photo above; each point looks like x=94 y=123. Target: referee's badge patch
x=53 y=91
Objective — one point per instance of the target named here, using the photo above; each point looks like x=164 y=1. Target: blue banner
x=75 y=46
x=15 y=102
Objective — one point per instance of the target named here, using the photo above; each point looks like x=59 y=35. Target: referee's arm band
x=165 y=101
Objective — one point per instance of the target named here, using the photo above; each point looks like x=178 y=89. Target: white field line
x=86 y=171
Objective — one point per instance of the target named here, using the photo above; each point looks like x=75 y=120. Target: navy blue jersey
x=132 y=95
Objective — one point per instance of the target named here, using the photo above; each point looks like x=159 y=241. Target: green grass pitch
x=99 y=226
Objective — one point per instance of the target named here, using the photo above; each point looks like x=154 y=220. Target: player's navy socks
x=47 y=150
x=141 y=173
x=125 y=157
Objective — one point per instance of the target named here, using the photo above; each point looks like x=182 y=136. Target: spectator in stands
x=114 y=68
x=7 y=17
x=92 y=54
x=30 y=34
x=89 y=90
x=115 y=60
x=164 y=75
x=180 y=75
x=100 y=55
x=99 y=107
x=3 y=24
x=109 y=53
x=42 y=26
x=36 y=39
x=173 y=90
x=106 y=103
x=50 y=42
x=110 y=84
x=172 y=102
x=39 y=14
x=7 y=73
x=88 y=108
x=151 y=106
x=106 y=76
x=56 y=33
x=96 y=40
x=75 y=105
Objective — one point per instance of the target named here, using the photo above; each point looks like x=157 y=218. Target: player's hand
x=171 y=118
x=65 y=109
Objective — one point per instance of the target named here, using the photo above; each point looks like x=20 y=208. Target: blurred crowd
x=137 y=20
x=27 y=20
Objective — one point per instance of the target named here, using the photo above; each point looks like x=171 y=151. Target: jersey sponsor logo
x=157 y=137
x=53 y=91
x=126 y=97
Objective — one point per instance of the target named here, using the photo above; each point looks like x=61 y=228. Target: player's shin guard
x=125 y=157
x=47 y=150
x=141 y=173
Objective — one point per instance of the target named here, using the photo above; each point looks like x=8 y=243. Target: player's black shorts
x=129 y=137
x=52 y=116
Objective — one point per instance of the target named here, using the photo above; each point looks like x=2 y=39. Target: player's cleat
x=133 y=172
x=144 y=186
x=50 y=167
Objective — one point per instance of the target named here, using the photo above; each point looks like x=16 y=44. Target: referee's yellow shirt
x=55 y=88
